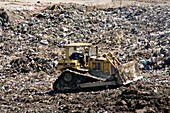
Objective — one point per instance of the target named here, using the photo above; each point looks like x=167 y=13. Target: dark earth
x=31 y=44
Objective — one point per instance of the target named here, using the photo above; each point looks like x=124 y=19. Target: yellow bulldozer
x=83 y=67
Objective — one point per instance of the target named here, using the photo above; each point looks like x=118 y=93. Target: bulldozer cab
x=74 y=48
x=76 y=54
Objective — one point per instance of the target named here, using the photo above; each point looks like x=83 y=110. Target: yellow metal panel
x=67 y=53
x=96 y=65
x=66 y=64
x=106 y=67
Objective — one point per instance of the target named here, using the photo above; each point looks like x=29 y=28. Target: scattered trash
x=30 y=49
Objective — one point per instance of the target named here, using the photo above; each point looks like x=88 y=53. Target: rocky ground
x=30 y=43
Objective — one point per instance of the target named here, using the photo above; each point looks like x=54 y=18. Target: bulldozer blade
x=128 y=72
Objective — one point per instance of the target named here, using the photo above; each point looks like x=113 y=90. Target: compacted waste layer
x=30 y=48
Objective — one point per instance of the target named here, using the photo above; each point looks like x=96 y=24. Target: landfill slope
x=31 y=44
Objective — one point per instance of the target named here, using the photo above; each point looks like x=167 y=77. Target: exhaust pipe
x=97 y=51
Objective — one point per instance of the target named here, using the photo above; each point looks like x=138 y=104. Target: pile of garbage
x=134 y=32
x=29 y=50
